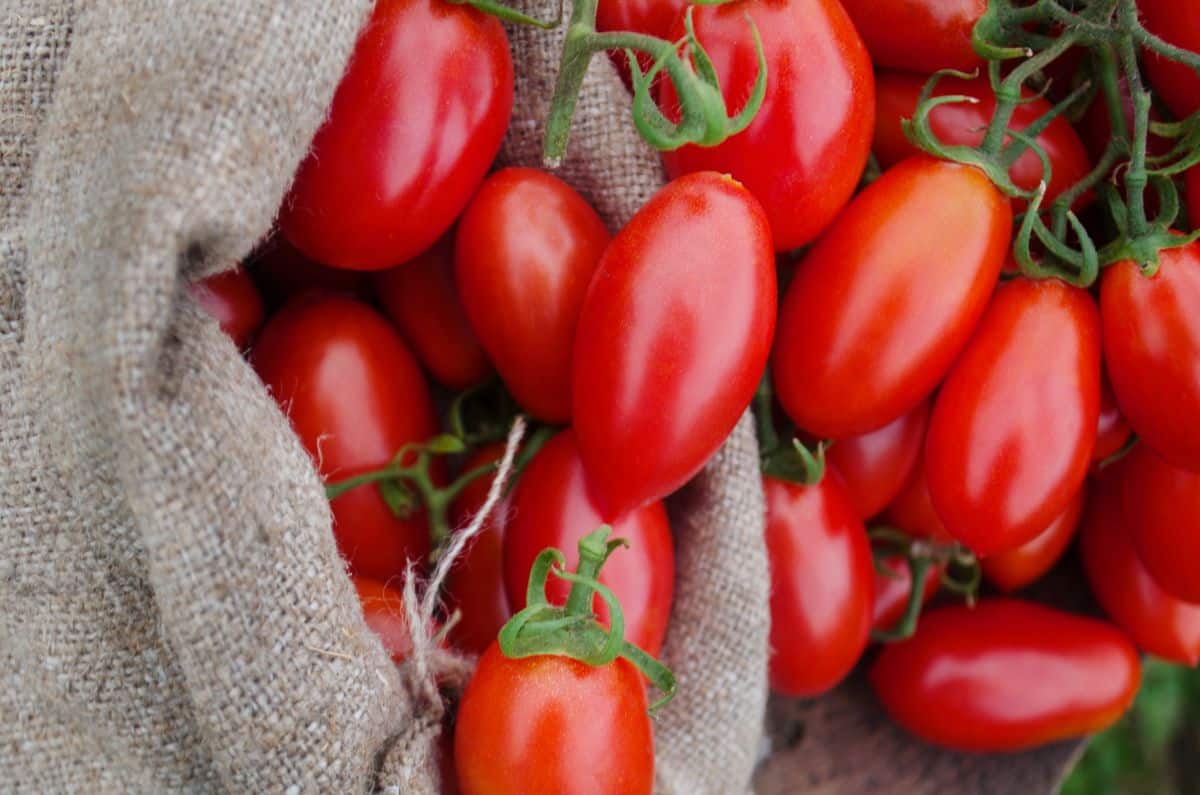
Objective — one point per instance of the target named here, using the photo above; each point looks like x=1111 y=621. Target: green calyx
x=960 y=574
x=572 y=629
x=791 y=461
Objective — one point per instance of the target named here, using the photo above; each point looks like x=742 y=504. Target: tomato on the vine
x=1016 y=568
x=672 y=340
x=1179 y=24
x=383 y=612
x=354 y=395
x=875 y=466
x=806 y=148
x=1006 y=675
x=882 y=304
x=233 y=300
x=1161 y=503
x=526 y=249
x=414 y=126
x=892 y=591
x=652 y=17
x=918 y=35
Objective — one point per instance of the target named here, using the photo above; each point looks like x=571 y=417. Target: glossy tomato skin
x=875 y=466
x=527 y=246
x=891 y=593
x=885 y=300
x=1006 y=675
x=918 y=35
x=1179 y=24
x=552 y=507
x=553 y=724
x=672 y=340
x=1016 y=568
x=1113 y=431
x=1151 y=346
x=421 y=299
x=383 y=611
x=1157 y=622
x=961 y=123
x=912 y=509
x=234 y=301
x=414 y=126
x=803 y=154
x=354 y=395
x=1162 y=505
x=822 y=580
x=1011 y=434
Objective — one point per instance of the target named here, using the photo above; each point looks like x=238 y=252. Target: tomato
x=553 y=724
x=1179 y=24
x=1016 y=568
x=891 y=593
x=806 y=148
x=1011 y=434
x=1006 y=675
x=233 y=300
x=672 y=340
x=355 y=396
x=652 y=17
x=918 y=35
x=874 y=466
x=421 y=299
x=1162 y=505
x=414 y=126
x=962 y=123
x=1151 y=347
x=912 y=510
x=1113 y=431
x=383 y=611
x=475 y=585
x=527 y=247
x=552 y=507
x=882 y=304
x=282 y=272
x=822 y=578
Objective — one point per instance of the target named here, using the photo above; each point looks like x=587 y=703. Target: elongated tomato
x=233 y=300
x=1016 y=568
x=918 y=35
x=874 y=466
x=1179 y=24
x=383 y=611
x=1006 y=675
x=885 y=300
x=1012 y=430
x=1162 y=505
x=673 y=339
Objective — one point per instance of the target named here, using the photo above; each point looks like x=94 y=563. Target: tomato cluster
x=964 y=415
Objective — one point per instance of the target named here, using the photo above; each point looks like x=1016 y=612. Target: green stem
x=1009 y=94
x=575 y=59
x=764 y=417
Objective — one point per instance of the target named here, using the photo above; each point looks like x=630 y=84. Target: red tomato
x=1178 y=23
x=1162 y=504
x=526 y=249
x=1016 y=568
x=875 y=466
x=552 y=507
x=383 y=610
x=282 y=271
x=420 y=297
x=672 y=340
x=885 y=300
x=822 y=578
x=553 y=724
x=1011 y=434
x=475 y=586
x=1006 y=675
x=1158 y=622
x=896 y=96
x=803 y=154
x=414 y=126
x=1113 y=431
x=652 y=17
x=912 y=511
x=233 y=300
x=1151 y=350
x=355 y=396
x=891 y=593
x=918 y=35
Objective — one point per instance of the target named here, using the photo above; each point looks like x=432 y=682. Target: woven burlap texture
x=173 y=612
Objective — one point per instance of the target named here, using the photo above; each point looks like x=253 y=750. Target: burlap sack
x=173 y=612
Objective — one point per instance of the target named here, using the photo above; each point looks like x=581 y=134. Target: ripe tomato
x=803 y=154
x=421 y=299
x=1158 y=622
x=1113 y=431
x=414 y=126
x=672 y=340
x=652 y=17
x=233 y=300
x=875 y=466
x=526 y=249
x=355 y=396
x=912 y=510
x=1162 y=505
x=1006 y=675
x=918 y=35
x=1178 y=23
x=383 y=611
x=553 y=724
x=475 y=586
x=896 y=96
x=822 y=577
x=1011 y=434
x=1016 y=568
x=1151 y=347
x=552 y=507
x=885 y=300
x=891 y=593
